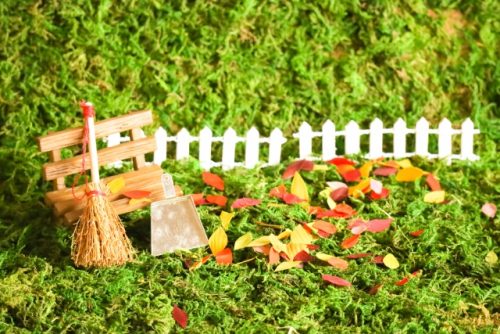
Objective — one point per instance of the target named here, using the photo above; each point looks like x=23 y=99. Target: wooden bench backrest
x=57 y=169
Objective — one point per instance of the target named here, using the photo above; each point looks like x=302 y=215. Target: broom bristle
x=99 y=239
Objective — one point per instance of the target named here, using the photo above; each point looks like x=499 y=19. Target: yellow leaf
x=434 y=197
x=262 y=241
x=405 y=163
x=390 y=261
x=292 y=249
x=325 y=193
x=366 y=169
x=277 y=244
x=300 y=236
x=285 y=234
x=218 y=241
x=320 y=167
x=331 y=203
x=491 y=257
x=225 y=218
x=359 y=189
x=116 y=185
x=243 y=241
x=409 y=174
x=324 y=257
x=287 y=265
x=299 y=187
x=135 y=201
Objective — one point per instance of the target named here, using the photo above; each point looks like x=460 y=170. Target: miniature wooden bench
x=142 y=178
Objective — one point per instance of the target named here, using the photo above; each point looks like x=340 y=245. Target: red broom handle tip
x=87 y=109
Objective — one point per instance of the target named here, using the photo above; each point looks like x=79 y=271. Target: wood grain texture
x=58 y=183
x=70 y=137
x=53 y=170
x=139 y=160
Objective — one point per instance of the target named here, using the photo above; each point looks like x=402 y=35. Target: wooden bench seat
x=143 y=177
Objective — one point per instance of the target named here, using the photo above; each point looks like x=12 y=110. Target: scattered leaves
x=335 y=280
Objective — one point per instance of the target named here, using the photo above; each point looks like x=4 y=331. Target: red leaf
x=137 y=193
x=198 y=199
x=313 y=247
x=244 y=202
x=324 y=226
x=217 y=199
x=274 y=256
x=379 y=225
x=314 y=210
x=357 y=256
x=278 y=191
x=374 y=290
x=303 y=256
x=489 y=209
x=213 y=180
x=402 y=282
x=383 y=194
x=350 y=242
x=335 y=280
x=341 y=161
x=339 y=194
x=432 y=182
x=379 y=259
x=385 y=171
x=307 y=228
x=292 y=199
x=417 y=233
x=297 y=166
x=352 y=176
x=225 y=256
x=180 y=316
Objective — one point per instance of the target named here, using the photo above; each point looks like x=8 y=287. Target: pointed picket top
x=183 y=141
x=376 y=139
x=352 y=140
x=205 y=148
x=400 y=132
x=422 y=137
x=467 y=141
x=230 y=139
x=328 y=144
x=444 y=141
x=252 y=148
x=160 y=154
x=305 y=136
x=276 y=141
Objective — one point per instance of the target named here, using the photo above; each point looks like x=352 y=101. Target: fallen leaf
x=285 y=234
x=262 y=241
x=379 y=225
x=339 y=194
x=180 y=316
x=385 y=171
x=218 y=240
x=299 y=187
x=338 y=161
x=390 y=261
x=243 y=241
x=375 y=289
x=300 y=236
x=491 y=257
x=225 y=218
x=303 y=256
x=198 y=199
x=432 y=182
x=435 y=197
x=224 y=257
x=405 y=163
x=198 y=264
x=274 y=256
x=278 y=191
x=245 y=202
x=135 y=201
x=320 y=168
x=262 y=249
x=219 y=200
x=287 y=265
x=137 y=194
x=213 y=180
x=350 y=242
x=402 y=282
x=382 y=195
x=409 y=174
x=116 y=185
x=489 y=209
x=297 y=166
x=323 y=257
x=335 y=280
x=417 y=233
x=361 y=188
x=277 y=244
x=366 y=169
x=376 y=186
x=293 y=249
x=357 y=256
x=292 y=199
x=338 y=263
x=378 y=259
x=334 y=185
x=331 y=203
x=352 y=176
x=324 y=226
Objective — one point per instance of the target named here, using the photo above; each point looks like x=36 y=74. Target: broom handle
x=94 y=164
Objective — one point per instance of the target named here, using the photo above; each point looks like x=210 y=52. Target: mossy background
x=268 y=64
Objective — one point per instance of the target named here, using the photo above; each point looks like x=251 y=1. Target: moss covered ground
x=268 y=64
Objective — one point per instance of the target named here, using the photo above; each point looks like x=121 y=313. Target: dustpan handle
x=89 y=114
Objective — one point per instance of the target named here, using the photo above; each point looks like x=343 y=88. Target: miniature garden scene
x=254 y=167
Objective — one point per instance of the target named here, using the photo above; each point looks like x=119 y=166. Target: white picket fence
x=305 y=135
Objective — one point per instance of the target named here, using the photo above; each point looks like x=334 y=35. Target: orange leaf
x=352 y=175
x=409 y=174
x=278 y=191
x=324 y=226
x=219 y=200
x=274 y=256
x=366 y=169
x=338 y=263
x=432 y=182
x=350 y=242
x=338 y=161
x=213 y=180
x=198 y=264
x=224 y=257
x=137 y=193
x=198 y=199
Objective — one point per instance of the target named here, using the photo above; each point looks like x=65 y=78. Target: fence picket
x=252 y=148
x=328 y=144
x=422 y=137
x=230 y=139
x=276 y=141
x=400 y=132
x=444 y=140
x=183 y=141
x=160 y=153
x=467 y=141
x=376 y=139
x=305 y=136
x=205 y=148
x=352 y=138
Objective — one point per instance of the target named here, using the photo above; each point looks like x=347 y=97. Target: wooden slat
x=139 y=160
x=132 y=177
x=53 y=170
x=151 y=182
x=121 y=206
x=58 y=183
x=70 y=137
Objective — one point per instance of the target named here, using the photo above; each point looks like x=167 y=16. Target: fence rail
x=352 y=143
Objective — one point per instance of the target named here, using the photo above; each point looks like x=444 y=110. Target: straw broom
x=99 y=238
